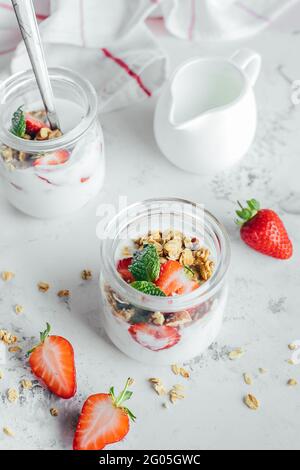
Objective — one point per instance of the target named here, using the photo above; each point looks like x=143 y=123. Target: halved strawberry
x=103 y=420
x=52 y=361
x=155 y=338
x=33 y=126
x=122 y=268
x=55 y=158
x=174 y=280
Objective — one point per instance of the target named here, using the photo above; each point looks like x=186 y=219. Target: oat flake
x=252 y=402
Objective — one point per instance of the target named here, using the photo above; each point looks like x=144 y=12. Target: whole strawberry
x=264 y=231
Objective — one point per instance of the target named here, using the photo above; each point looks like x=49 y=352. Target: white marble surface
x=263 y=310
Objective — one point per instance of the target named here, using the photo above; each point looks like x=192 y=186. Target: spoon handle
x=25 y=14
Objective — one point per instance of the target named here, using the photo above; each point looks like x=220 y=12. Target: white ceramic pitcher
x=205 y=119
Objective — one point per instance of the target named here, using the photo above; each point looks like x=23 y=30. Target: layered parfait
x=172 y=267
x=47 y=173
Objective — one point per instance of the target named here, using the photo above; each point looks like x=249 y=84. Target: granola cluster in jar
x=174 y=245
x=170 y=245
x=35 y=128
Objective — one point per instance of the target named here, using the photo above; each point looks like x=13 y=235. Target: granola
x=158 y=386
x=12 y=395
x=54 y=412
x=26 y=384
x=86 y=275
x=7 y=276
x=248 y=379
x=236 y=354
x=43 y=286
x=7 y=337
x=19 y=309
x=63 y=293
x=28 y=126
x=292 y=382
x=174 y=245
x=8 y=431
x=252 y=402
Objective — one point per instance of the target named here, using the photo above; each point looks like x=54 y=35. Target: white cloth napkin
x=110 y=43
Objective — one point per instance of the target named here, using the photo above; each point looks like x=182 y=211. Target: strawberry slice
x=55 y=158
x=122 y=268
x=173 y=279
x=33 y=126
x=103 y=420
x=155 y=338
x=188 y=287
x=52 y=361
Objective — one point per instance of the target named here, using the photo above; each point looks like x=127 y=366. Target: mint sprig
x=18 y=123
x=145 y=264
x=148 y=288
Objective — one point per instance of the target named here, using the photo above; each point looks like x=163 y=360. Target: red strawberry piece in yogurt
x=155 y=338
x=173 y=279
x=59 y=157
x=122 y=268
x=33 y=126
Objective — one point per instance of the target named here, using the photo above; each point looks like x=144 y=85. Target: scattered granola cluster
x=177 y=392
x=174 y=245
x=7 y=337
x=7 y=276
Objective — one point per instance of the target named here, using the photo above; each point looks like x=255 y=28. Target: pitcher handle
x=249 y=62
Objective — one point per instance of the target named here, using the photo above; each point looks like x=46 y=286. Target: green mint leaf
x=18 y=123
x=148 y=288
x=145 y=264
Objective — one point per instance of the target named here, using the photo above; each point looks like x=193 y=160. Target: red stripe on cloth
x=8 y=51
x=128 y=70
x=4 y=6
x=251 y=12
x=193 y=19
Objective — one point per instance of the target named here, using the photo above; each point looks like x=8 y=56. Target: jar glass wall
x=49 y=178
x=190 y=322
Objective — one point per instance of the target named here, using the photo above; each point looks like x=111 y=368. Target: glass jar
x=190 y=322
x=49 y=178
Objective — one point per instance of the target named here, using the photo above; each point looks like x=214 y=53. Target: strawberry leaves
x=18 y=123
x=123 y=396
x=43 y=335
x=247 y=213
x=148 y=288
x=145 y=264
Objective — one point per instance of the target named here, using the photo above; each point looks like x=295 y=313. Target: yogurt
x=193 y=339
x=58 y=176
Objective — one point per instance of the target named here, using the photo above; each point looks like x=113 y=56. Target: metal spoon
x=25 y=14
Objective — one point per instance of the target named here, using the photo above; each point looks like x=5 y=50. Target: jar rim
x=57 y=74
x=174 y=303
